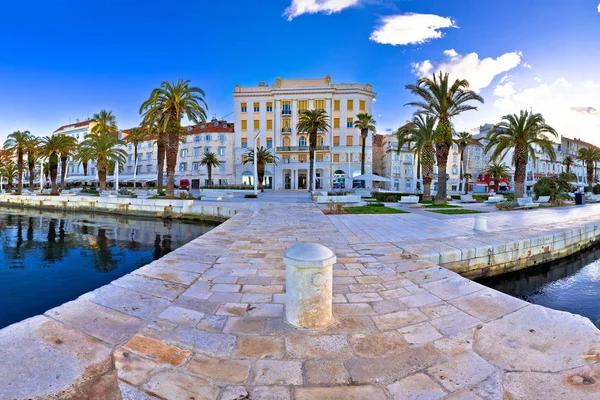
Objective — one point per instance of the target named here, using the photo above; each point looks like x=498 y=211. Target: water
x=49 y=258
x=571 y=284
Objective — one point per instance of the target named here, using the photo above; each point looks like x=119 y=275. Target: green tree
x=311 y=122
x=8 y=170
x=105 y=150
x=210 y=160
x=463 y=140
x=521 y=133
x=589 y=156
x=497 y=171
x=32 y=149
x=16 y=143
x=545 y=186
x=135 y=136
x=567 y=162
x=52 y=147
x=106 y=123
x=467 y=177
x=165 y=107
x=83 y=158
x=264 y=156
x=420 y=135
x=365 y=123
x=69 y=148
x=444 y=101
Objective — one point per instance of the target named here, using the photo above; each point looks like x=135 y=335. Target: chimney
x=261 y=84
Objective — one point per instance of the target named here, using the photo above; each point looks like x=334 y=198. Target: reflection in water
x=571 y=284
x=49 y=258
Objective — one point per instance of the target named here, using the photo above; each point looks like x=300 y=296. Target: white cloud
x=537 y=79
x=299 y=7
x=563 y=82
x=505 y=78
x=591 y=85
x=410 y=29
x=505 y=90
x=599 y=7
x=479 y=73
x=526 y=65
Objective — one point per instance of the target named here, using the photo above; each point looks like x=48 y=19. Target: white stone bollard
x=480 y=224
x=308 y=285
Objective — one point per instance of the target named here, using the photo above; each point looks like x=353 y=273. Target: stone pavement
x=206 y=322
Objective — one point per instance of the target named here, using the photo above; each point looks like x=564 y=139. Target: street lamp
x=256 y=163
x=117 y=176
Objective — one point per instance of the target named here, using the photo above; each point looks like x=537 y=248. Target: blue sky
x=67 y=59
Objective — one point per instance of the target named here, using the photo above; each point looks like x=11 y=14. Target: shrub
x=335 y=207
x=545 y=186
x=455 y=196
x=558 y=202
x=228 y=187
x=251 y=196
x=376 y=204
x=183 y=195
x=480 y=198
x=392 y=197
x=505 y=205
x=596 y=189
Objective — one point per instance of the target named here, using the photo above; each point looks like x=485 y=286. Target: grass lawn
x=431 y=204
x=458 y=211
x=374 y=210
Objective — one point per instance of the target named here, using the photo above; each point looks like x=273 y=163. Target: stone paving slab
x=207 y=321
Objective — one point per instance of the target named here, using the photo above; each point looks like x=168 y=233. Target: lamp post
x=315 y=171
x=256 y=163
x=117 y=176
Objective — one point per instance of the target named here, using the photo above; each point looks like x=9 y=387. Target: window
x=454 y=158
x=256 y=107
x=222 y=165
x=149 y=145
x=182 y=167
x=302 y=141
x=129 y=169
x=225 y=125
x=361 y=105
x=195 y=166
x=139 y=159
x=197 y=151
x=336 y=140
x=202 y=126
x=321 y=141
x=269 y=124
x=336 y=122
x=207 y=149
x=183 y=153
x=222 y=138
x=129 y=158
x=208 y=137
x=244 y=107
x=269 y=107
x=148 y=157
x=223 y=182
x=348 y=140
x=130 y=147
x=184 y=139
x=319 y=104
x=302 y=105
x=215 y=124
x=148 y=168
x=336 y=158
x=244 y=124
x=269 y=143
x=197 y=138
x=348 y=122
x=286 y=108
x=256 y=124
x=350 y=104
x=244 y=143
x=336 y=105
x=222 y=150
x=138 y=169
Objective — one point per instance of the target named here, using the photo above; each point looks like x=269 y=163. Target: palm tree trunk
x=442 y=161
x=521 y=157
x=20 y=169
x=260 y=171
x=590 y=175
x=418 y=170
x=85 y=167
x=102 y=179
x=364 y=133
x=209 y=168
x=53 y=164
x=172 y=149
x=312 y=145
x=466 y=185
x=63 y=171
x=31 y=174
x=161 y=151
x=462 y=163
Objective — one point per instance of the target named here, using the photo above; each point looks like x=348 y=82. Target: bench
x=141 y=194
x=467 y=198
x=526 y=202
x=213 y=195
x=409 y=200
x=495 y=199
x=338 y=199
x=542 y=199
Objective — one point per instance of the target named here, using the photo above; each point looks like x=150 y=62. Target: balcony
x=300 y=148
x=286 y=130
x=286 y=112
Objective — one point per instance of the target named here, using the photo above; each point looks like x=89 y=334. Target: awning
x=371 y=177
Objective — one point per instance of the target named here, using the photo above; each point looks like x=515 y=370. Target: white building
x=271 y=112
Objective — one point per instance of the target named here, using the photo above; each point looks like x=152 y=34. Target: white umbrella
x=371 y=177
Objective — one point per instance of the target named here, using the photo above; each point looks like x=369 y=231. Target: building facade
x=270 y=114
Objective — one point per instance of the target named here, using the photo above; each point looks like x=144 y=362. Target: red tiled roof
x=209 y=127
x=476 y=142
x=582 y=143
x=75 y=125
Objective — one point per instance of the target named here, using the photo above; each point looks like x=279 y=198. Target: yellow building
x=271 y=112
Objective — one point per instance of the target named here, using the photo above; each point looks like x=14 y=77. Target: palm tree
x=69 y=146
x=135 y=136
x=567 y=162
x=210 y=160
x=520 y=132
x=264 y=156
x=311 y=122
x=365 y=123
x=467 y=177
x=444 y=101
x=590 y=156
x=51 y=147
x=8 y=170
x=83 y=158
x=16 y=143
x=106 y=123
x=463 y=140
x=32 y=149
x=496 y=171
x=421 y=135
x=165 y=107
x=105 y=149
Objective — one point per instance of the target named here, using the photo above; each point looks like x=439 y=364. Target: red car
x=184 y=184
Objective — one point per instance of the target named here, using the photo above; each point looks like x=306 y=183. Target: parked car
x=184 y=184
